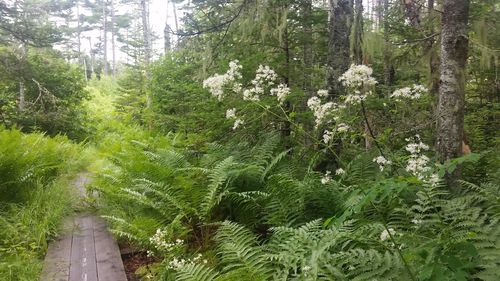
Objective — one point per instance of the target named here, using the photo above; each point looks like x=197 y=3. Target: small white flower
x=237 y=123
x=322 y=93
x=339 y=171
x=382 y=162
x=327 y=136
x=326 y=178
x=415 y=221
x=281 y=92
x=231 y=113
x=385 y=234
x=342 y=128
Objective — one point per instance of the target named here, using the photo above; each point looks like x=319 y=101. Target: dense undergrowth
x=36 y=171
x=252 y=213
x=251 y=209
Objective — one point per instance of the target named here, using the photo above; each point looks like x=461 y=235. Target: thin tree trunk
x=388 y=67
x=166 y=32
x=113 y=43
x=454 y=48
x=147 y=46
x=338 y=44
x=286 y=47
x=176 y=24
x=78 y=29
x=22 y=88
x=105 y=38
x=308 y=53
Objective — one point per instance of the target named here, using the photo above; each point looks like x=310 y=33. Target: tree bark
x=433 y=52
x=412 y=10
x=307 y=43
x=454 y=48
x=338 y=44
x=388 y=67
x=357 y=42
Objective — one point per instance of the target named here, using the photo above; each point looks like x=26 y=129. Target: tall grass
x=35 y=171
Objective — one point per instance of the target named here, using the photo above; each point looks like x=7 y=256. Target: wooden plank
x=83 y=263
x=109 y=261
x=57 y=261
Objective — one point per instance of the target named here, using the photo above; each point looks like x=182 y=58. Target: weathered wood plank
x=109 y=262
x=57 y=261
x=83 y=263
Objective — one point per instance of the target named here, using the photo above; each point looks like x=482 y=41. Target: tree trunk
x=105 y=39
x=286 y=131
x=113 y=34
x=338 y=44
x=307 y=43
x=22 y=88
x=176 y=24
x=166 y=32
x=147 y=46
x=388 y=68
x=433 y=52
x=412 y=10
x=454 y=47
x=357 y=42
x=78 y=29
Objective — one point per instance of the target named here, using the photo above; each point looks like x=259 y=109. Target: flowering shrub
x=329 y=115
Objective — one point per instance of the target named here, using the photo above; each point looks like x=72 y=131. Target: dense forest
x=252 y=141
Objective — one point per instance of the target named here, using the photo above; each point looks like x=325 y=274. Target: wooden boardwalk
x=85 y=251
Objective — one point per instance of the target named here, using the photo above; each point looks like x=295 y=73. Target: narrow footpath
x=85 y=249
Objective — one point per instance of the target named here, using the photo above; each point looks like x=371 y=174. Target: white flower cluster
x=217 y=82
x=342 y=128
x=159 y=241
x=328 y=135
x=385 y=234
x=356 y=97
x=237 y=123
x=413 y=93
x=281 y=92
x=264 y=77
x=176 y=263
x=231 y=114
x=382 y=162
x=358 y=77
x=321 y=111
x=322 y=93
x=418 y=164
x=339 y=171
x=326 y=177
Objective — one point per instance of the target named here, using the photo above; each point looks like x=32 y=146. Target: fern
x=238 y=249
x=195 y=272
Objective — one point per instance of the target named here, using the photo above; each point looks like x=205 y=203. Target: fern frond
x=195 y=272
x=238 y=248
